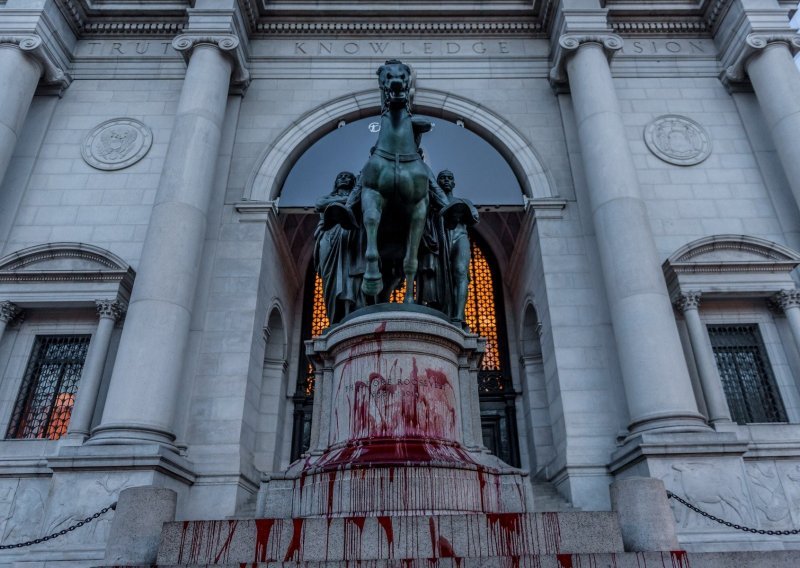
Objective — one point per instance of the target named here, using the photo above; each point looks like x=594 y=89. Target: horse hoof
x=372 y=287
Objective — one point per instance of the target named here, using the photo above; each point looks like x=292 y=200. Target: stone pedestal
x=394 y=430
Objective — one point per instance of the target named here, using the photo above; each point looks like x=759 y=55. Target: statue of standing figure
x=338 y=255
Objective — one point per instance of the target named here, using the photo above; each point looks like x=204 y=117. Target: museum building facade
x=638 y=295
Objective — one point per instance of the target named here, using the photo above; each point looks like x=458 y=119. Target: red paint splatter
x=331 y=486
x=222 y=553
x=507 y=532
x=552 y=533
x=679 y=559
x=386 y=523
x=564 y=560
x=263 y=529
x=296 y=543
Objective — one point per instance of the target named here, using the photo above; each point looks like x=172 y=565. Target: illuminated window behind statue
x=484 y=316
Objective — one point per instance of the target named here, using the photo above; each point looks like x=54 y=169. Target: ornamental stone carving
x=8 y=311
x=53 y=74
x=117 y=144
x=113 y=309
x=226 y=43
x=688 y=301
x=569 y=44
x=736 y=72
x=677 y=140
x=786 y=299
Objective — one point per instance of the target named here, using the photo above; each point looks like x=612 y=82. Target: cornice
x=474 y=27
x=666 y=26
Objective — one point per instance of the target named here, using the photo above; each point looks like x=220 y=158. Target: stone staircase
x=546 y=498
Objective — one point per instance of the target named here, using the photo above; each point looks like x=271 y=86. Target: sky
x=481 y=173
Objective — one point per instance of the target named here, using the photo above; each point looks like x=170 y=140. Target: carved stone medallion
x=677 y=140
x=117 y=144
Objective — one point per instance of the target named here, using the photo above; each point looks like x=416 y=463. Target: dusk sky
x=482 y=175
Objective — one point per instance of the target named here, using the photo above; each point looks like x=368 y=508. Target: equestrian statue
x=392 y=208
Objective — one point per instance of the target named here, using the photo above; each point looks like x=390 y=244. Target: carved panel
x=789 y=473
x=769 y=499
x=677 y=140
x=26 y=510
x=715 y=487
x=117 y=144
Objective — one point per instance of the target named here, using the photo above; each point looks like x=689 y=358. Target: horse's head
x=394 y=78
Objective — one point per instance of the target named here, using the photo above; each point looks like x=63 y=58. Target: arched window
x=485 y=316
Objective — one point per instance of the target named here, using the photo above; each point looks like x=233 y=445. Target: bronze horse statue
x=394 y=180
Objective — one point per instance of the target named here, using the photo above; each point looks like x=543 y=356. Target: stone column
x=710 y=381
x=81 y=419
x=768 y=60
x=654 y=372
x=147 y=375
x=19 y=75
x=8 y=311
x=789 y=302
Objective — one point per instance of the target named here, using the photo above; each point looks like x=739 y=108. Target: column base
x=129 y=433
x=668 y=422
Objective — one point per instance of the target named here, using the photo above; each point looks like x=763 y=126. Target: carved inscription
x=667 y=47
x=407 y=48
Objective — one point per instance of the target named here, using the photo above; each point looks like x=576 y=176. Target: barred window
x=48 y=390
x=746 y=374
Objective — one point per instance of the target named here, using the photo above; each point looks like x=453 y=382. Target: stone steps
x=546 y=498
x=388 y=538
x=675 y=559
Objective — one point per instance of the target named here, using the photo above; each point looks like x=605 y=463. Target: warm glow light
x=59 y=418
x=480 y=310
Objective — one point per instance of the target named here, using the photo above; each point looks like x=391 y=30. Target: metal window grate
x=48 y=390
x=746 y=374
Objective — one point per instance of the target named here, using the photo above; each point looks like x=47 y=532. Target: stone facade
x=143 y=149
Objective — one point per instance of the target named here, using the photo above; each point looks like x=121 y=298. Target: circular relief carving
x=117 y=144
x=677 y=140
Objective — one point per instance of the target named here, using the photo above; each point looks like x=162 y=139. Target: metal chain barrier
x=77 y=525
x=671 y=495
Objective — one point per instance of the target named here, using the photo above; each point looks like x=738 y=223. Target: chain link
x=62 y=532
x=671 y=495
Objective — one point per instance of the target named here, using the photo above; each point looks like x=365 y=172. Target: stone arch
x=276 y=161
x=271 y=409
x=536 y=401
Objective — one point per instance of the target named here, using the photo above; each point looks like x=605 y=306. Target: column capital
x=53 y=75
x=786 y=299
x=8 y=311
x=754 y=43
x=569 y=43
x=688 y=301
x=226 y=43
x=111 y=309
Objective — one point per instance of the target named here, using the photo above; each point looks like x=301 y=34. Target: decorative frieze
x=227 y=43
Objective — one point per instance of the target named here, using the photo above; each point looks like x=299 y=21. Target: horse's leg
x=371 y=207
x=416 y=226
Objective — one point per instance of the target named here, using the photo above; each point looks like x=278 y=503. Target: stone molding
x=112 y=309
x=226 y=43
x=730 y=266
x=8 y=311
x=64 y=274
x=53 y=75
x=786 y=299
x=481 y=28
x=688 y=301
x=569 y=43
x=264 y=183
x=753 y=44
